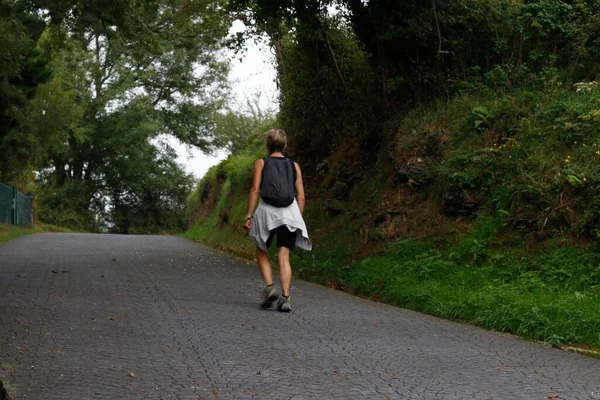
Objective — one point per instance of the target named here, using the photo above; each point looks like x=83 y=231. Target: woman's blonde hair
x=276 y=140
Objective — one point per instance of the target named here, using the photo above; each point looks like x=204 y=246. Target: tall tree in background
x=125 y=74
x=329 y=97
x=243 y=129
x=21 y=71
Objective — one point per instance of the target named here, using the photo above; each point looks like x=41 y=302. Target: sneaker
x=284 y=304
x=269 y=296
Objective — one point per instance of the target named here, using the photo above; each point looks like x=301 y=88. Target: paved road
x=131 y=317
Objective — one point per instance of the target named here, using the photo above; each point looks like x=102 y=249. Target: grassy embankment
x=9 y=232
x=522 y=259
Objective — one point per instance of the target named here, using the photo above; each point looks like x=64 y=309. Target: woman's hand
x=248 y=224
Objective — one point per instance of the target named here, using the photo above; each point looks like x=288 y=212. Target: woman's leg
x=285 y=270
x=264 y=266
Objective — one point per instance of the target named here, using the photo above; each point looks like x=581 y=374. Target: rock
x=455 y=204
x=335 y=206
x=339 y=190
x=524 y=220
x=322 y=165
x=413 y=174
x=395 y=213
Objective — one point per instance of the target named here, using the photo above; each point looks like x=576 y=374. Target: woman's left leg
x=285 y=270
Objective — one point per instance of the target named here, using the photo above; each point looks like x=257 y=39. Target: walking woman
x=279 y=214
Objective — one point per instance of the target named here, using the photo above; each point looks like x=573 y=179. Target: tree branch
x=437 y=24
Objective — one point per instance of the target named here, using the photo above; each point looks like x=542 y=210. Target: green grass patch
x=53 y=228
x=553 y=298
x=9 y=232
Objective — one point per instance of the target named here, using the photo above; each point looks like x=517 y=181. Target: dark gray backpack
x=278 y=181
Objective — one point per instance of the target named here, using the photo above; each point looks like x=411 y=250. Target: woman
x=278 y=214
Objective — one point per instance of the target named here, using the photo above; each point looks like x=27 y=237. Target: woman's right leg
x=269 y=292
x=264 y=266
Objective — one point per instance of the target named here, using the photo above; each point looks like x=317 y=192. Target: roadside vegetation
x=460 y=178
x=9 y=232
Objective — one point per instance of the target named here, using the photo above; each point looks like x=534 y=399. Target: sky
x=255 y=72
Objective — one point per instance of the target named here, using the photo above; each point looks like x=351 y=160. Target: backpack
x=278 y=181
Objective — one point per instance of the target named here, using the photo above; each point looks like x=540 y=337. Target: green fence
x=15 y=207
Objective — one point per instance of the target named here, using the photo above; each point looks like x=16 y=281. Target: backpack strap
x=294 y=170
x=262 y=178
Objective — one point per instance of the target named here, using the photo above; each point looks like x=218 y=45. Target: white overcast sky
x=255 y=72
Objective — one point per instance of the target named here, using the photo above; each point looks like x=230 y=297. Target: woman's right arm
x=254 y=192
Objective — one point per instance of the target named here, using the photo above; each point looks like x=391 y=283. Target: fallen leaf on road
x=259 y=373
x=554 y=396
x=131 y=375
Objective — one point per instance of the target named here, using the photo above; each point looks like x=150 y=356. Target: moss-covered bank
x=482 y=209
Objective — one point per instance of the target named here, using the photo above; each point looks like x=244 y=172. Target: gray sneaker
x=269 y=296
x=284 y=305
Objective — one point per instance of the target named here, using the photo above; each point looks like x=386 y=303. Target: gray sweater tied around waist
x=267 y=217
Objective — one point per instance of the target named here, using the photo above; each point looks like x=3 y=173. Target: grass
x=538 y=298
x=53 y=228
x=10 y=232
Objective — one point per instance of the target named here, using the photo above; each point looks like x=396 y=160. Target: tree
x=21 y=71
x=133 y=75
x=244 y=130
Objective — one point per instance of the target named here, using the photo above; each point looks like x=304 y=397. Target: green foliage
x=328 y=91
x=507 y=137
x=473 y=248
x=217 y=206
x=94 y=129
x=487 y=275
x=10 y=232
x=22 y=69
x=243 y=131
x=447 y=45
x=550 y=298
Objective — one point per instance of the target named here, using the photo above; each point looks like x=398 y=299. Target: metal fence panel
x=24 y=217
x=6 y=204
x=15 y=207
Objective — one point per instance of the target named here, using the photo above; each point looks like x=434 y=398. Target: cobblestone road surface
x=133 y=317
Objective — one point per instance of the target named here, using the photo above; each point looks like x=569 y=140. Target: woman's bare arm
x=254 y=192
x=299 y=188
